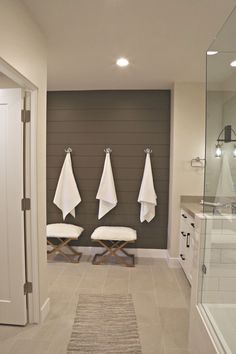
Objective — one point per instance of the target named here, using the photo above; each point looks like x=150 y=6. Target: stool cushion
x=114 y=233
x=64 y=230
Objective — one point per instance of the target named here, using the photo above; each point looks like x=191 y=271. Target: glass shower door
x=218 y=286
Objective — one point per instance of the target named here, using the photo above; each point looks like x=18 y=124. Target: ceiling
x=165 y=41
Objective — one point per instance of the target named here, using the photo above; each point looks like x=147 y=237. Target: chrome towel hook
x=68 y=149
x=148 y=151
x=108 y=150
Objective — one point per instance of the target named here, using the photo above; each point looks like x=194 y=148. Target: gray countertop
x=191 y=208
x=191 y=204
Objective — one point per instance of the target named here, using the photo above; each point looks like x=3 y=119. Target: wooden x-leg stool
x=114 y=239
x=63 y=234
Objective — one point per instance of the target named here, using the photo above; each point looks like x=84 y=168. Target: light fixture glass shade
x=234 y=152
x=218 y=152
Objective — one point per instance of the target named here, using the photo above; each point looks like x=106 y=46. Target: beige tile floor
x=161 y=297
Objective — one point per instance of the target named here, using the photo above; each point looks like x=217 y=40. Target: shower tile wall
x=128 y=122
x=219 y=285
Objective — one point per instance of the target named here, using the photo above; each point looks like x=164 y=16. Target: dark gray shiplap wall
x=128 y=122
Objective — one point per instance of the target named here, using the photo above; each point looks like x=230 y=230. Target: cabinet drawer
x=187 y=229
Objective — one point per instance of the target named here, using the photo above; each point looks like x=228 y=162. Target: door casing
x=32 y=235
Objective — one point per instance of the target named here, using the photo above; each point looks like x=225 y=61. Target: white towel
x=67 y=195
x=147 y=195
x=106 y=191
x=225 y=186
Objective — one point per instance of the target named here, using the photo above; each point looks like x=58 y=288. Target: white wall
x=187 y=142
x=23 y=47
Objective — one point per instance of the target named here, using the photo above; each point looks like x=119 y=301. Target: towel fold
x=106 y=191
x=67 y=195
x=147 y=195
x=225 y=186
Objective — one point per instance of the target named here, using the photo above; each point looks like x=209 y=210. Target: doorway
x=19 y=299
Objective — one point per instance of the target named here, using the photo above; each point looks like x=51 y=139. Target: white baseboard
x=173 y=262
x=138 y=252
x=44 y=310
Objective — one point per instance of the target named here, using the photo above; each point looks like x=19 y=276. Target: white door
x=13 y=306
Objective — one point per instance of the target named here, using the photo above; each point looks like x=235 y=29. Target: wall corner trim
x=173 y=262
x=44 y=311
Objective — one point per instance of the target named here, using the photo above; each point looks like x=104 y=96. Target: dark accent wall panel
x=128 y=122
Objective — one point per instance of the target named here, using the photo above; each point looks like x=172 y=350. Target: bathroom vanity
x=207 y=254
x=186 y=243
x=190 y=206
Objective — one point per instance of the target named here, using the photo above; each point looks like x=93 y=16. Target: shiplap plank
x=119 y=150
x=128 y=122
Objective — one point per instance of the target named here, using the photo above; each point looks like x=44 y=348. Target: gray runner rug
x=105 y=324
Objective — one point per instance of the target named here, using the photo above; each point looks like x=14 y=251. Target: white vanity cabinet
x=186 y=243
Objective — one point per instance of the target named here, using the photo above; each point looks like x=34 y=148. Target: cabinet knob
x=184 y=216
x=182 y=257
x=192 y=224
x=183 y=233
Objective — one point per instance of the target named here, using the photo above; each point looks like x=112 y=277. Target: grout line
x=57 y=276
x=105 y=280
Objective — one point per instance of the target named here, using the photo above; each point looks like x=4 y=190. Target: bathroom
x=183 y=297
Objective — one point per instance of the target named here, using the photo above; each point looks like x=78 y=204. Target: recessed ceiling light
x=212 y=52
x=122 y=62
x=233 y=63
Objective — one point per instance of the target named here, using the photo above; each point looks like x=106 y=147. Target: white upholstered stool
x=114 y=239
x=64 y=233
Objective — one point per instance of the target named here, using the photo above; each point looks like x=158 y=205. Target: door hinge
x=25 y=204
x=25 y=116
x=204 y=269
x=28 y=288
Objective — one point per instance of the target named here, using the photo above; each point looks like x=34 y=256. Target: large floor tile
x=27 y=346
x=183 y=283
x=175 y=324
x=151 y=340
x=160 y=295
x=146 y=309
x=141 y=279
x=176 y=351
x=116 y=286
x=168 y=290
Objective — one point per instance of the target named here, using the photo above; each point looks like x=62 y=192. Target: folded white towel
x=147 y=195
x=67 y=195
x=106 y=191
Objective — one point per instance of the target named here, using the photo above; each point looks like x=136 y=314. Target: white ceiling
x=165 y=41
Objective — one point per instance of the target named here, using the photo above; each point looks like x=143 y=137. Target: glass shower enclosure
x=218 y=283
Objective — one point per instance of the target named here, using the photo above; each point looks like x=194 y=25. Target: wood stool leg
x=64 y=243
x=116 y=247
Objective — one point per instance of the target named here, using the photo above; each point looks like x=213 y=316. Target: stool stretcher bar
x=73 y=257
x=115 y=249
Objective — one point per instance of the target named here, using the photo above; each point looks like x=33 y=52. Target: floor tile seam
x=80 y=282
x=57 y=276
x=105 y=280
x=177 y=281
x=129 y=281
x=11 y=346
x=180 y=288
x=154 y=293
